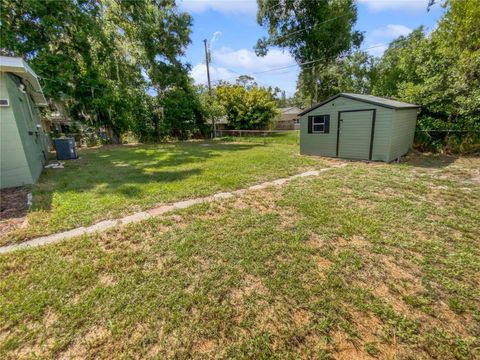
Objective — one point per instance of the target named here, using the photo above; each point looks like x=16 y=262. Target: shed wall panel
x=403 y=132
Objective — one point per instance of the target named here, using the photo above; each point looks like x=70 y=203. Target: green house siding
x=392 y=131
x=23 y=147
x=403 y=132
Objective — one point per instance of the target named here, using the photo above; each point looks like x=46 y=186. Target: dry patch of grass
x=364 y=262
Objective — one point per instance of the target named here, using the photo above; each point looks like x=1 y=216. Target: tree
x=246 y=109
x=440 y=72
x=246 y=81
x=211 y=108
x=102 y=55
x=182 y=113
x=355 y=72
x=314 y=32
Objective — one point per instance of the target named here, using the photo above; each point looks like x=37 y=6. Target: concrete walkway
x=161 y=209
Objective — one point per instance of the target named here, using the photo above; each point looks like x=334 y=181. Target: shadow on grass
x=124 y=169
x=425 y=160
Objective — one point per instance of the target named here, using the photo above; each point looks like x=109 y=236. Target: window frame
x=318 y=120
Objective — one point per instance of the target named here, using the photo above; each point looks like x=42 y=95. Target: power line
x=309 y=27
x=302 y=64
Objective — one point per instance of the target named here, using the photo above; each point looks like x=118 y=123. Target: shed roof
x=375 y=100
x=19 y=67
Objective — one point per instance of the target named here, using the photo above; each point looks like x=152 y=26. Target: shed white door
x=355 y=133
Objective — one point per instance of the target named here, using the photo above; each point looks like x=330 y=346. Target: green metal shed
x=23 y=142
x=354 y=126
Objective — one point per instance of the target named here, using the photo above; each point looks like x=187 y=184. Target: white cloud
x=223 y=6
x=376 y=42
x=232 y=63
x=391 y=31
x=216 y=35
x=407 y=5
x=248 y=61
x=377 y=49
x=199 y=74
x=228 y=64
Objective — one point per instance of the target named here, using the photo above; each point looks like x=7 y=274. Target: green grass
x=113 y=181
x=368 y=260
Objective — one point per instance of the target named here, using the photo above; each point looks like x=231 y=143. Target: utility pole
x=208 y=67
x=208 y=78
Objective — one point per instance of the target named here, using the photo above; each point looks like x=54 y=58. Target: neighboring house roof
x=290 y=110
x=17 y=66
x=220 y=120
x=375 y=100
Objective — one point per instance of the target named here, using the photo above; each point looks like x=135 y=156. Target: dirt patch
x=345 y=349
x=474 y=180
x=322 y=262
x=250 y=284
x=120 y=240
x=178 y=220
x=13 y=202
x=395 y=283
x=50 y=318
x=356 y=241
x=13 y=209
x=263 y=201
x=106 y=279
x=81 y=346
x=368 y=344
x=204 y=346
x=301 y=317
x=402 y=272
x=315 y=241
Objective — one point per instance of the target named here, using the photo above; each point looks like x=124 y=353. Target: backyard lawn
x=365 y=261
x=109 y=182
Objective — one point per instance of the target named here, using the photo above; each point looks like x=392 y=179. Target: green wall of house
x=393 y=133
x=23 y=144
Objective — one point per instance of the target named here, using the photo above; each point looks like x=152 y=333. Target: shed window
x=319 y=124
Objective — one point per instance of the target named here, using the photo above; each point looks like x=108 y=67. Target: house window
x=319 y=124
x=4 y=102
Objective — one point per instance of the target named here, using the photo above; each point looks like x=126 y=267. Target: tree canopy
x=105 y=58
x=314 y=32
x=250 y=107
x=440 y=72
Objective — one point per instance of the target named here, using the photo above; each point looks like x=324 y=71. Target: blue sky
x=232 y=31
